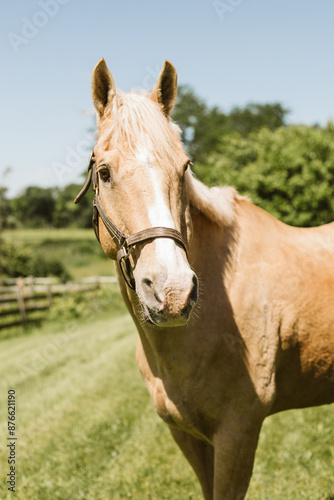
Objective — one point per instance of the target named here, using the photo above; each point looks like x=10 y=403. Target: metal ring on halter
x=123 y=260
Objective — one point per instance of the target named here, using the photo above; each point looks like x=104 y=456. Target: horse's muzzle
x=169 y=308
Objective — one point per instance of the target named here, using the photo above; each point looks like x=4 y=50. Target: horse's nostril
x=193 y=296
x=186 y=310
x=147 y=282
x=151 y=293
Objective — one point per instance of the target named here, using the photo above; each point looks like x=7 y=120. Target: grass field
x=86 y=427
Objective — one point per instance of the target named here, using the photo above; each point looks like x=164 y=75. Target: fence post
x=20 y=301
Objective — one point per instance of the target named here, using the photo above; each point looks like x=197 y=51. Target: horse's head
x=141 y=165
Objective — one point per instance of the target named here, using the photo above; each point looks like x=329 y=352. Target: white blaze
x=167 y=251
x=159 y=214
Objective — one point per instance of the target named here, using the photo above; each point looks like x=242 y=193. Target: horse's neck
x=212 y=249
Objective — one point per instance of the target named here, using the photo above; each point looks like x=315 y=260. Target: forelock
x=133 y=119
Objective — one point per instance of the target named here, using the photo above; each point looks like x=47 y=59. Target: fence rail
x=22 y=296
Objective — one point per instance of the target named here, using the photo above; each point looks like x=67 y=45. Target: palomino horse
x=260 y=340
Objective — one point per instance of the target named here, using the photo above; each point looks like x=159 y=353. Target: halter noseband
x=124 y=241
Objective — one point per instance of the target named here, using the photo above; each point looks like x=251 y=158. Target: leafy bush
x=87 y=305
x=49 y=267
x=14 y=261
x=18 y=261
x=289 y=172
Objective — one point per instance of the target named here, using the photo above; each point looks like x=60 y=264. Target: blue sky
x=230 y=51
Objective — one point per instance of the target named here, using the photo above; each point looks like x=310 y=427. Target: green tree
x=203 y=126
x=289 y=171
x=34 y=207
x=4 y=207
x=7 y=220
x=67 y=214
x=190 y=113
x=256 y=116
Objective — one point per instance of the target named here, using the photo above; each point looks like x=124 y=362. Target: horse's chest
x=175 y=404
x=175 y=410
x=164 y=406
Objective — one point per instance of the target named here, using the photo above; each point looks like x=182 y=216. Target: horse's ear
x=103 y=87
x=165 y=89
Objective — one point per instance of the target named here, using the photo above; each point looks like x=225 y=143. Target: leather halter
x=124 y=241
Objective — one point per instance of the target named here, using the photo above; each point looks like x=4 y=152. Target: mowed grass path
x=86 y=426
x=87 y=429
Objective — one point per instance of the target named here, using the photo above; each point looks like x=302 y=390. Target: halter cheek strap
x=124 y=242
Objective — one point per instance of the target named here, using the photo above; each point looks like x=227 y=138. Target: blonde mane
x=133 y=118
x=217 y=203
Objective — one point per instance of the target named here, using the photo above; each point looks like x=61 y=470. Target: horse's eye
x=186 y=166
x=104 y=174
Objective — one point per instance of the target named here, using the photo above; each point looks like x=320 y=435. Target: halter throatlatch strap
x=124 y=241
x=112 y=229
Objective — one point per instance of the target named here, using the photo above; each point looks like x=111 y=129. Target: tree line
x=37 y=207
x=286 y=169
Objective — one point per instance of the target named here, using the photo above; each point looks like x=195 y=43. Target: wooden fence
x=21 y=297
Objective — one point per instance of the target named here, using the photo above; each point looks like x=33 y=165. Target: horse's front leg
x=235 y=443
x=200 y=455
